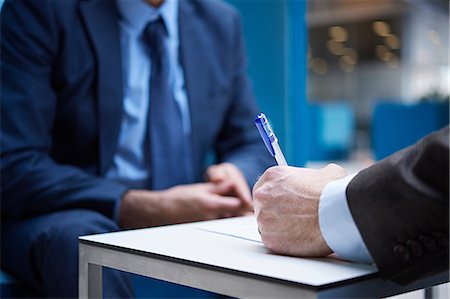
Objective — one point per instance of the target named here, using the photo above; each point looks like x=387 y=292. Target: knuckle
x=229 y=166
x=256 y=187
x=272 y=173
x=262 y=194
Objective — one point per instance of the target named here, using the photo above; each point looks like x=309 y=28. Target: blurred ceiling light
x=434 y=37
x=393 y=62
x=388 y=56
x=319 y=66
x=381 y=28
x=335 y=47
x=351 y=53
x=346 y=67
x=392 y=41
x=348 y=59
x=338 y=33
x=380 y=51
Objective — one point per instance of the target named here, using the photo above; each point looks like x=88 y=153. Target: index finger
x=239 y=185
x=230 y=186
x=242 y=190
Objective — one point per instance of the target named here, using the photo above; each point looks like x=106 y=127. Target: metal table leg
x=90 y=276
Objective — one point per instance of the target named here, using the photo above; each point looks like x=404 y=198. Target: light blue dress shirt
x=337 y=225
x=130 y=162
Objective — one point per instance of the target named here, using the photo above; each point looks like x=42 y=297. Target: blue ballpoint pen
x=269 y=138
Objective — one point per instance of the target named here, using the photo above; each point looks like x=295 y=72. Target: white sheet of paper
x=246 y=229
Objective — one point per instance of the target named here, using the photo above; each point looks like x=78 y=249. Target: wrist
x=140 y=208
x=128 y=202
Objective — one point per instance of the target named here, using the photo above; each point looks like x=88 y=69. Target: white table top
x=232 y=244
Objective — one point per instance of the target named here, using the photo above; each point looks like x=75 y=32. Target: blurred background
x=347 y=81
x=385 y=63
x=350 y=81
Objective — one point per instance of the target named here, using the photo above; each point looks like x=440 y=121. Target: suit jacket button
x=414 y=247
x=428 y=242
x=401 y=253
x=441 y=238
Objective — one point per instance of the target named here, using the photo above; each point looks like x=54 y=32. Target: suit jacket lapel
x=101 y=19
x=192 y=50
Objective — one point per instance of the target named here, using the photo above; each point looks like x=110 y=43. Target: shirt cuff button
x=414 y=247
x=401 y=253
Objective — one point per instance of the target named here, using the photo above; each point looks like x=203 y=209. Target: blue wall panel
x=298 y=119
x=397 y=125
x=275 y=36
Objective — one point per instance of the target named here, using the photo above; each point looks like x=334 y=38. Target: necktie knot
x=154 y=34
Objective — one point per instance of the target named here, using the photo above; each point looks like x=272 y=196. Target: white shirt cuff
x=337 y=225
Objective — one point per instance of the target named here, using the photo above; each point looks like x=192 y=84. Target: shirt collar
x=137 y=14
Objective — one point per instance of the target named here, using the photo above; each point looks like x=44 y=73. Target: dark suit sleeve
x=239 y=141
x=31 y=181
x=401 y=208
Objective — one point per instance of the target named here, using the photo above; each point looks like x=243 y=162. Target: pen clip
x=266 y=132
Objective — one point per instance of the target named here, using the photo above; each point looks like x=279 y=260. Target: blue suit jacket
x=61 y=101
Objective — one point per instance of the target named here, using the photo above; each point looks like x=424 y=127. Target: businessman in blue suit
x=110 y=111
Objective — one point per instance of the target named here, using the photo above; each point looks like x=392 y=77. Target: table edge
x=227 y=270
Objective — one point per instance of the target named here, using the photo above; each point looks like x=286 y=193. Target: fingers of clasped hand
x=179 y=204
x=286 y=201
x=205 y=201
x=231 y=176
